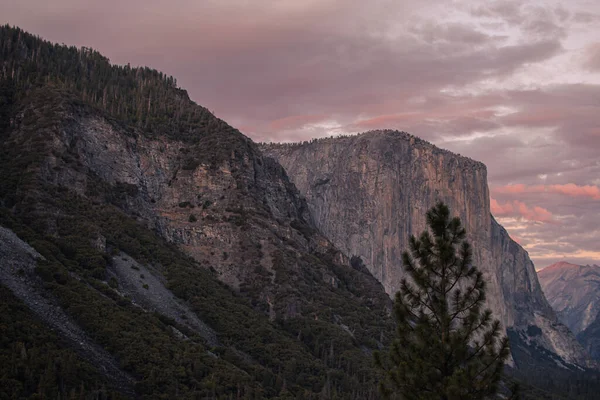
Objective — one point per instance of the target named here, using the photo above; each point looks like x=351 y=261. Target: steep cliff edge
x=369 y=192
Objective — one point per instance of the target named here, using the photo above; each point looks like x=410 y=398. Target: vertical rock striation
x=369 y=192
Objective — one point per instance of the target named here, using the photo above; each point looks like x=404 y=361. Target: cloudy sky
x=515 y=84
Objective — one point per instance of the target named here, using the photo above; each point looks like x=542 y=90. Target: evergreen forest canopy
x=140 y=96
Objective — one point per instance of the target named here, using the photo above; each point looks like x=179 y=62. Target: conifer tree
x=447 y=346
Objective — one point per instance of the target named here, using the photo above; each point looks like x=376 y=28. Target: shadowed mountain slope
x=170 y=241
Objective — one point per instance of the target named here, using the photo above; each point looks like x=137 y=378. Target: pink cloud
x=520 y=210
x=592 y=61
x=569 y=189
x=389 y=120
x=510 y=189
x=535 y=213
x=518 y=239
x=441 y=113
x=536 y=117
x=501 y=209
x=295 y=121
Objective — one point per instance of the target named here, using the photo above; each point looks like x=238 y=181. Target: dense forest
x=44 y=87
x=142 y=97
x=36 y=364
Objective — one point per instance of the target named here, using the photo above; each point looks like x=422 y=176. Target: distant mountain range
x=574 y=293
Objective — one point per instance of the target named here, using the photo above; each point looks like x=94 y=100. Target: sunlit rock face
x=369 y=193
x=574 y=293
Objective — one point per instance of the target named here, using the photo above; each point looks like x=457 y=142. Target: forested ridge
x=140 y=96
x=46 y=90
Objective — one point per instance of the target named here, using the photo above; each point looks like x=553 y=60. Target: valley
x=151 y=250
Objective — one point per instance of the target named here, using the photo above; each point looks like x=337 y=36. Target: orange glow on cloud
x=568 y=189
x=520 y=210
x=500 y=209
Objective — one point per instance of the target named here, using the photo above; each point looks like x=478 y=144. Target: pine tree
x=447 y=346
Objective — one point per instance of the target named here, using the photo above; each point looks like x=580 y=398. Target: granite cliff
x=573 y=291
x=369 y=192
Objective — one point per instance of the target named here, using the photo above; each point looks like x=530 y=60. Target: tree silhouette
x=447 y=346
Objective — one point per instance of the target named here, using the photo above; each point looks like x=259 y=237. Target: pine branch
x=487 y=341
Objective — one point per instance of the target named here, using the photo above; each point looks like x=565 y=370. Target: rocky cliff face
x=369 y=192
x=206 y=208
x=573 y=291
x=76 y=178
x=590 y=338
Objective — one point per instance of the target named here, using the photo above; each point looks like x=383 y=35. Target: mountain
x=150 y=250
x=590 y=338
x=168 y=257
x=573 y=291
x=369 y=192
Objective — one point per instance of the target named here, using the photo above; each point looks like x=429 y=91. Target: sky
x=514 y=84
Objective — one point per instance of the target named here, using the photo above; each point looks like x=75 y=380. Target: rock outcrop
x=369 y=192
x=122 y=203
x=573 y=291
x=590 y=338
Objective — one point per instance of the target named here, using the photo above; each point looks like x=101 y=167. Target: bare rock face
x=574 y=293
x=217 y=198
x=233 y=211
x=205 y=208
x=369 y=192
